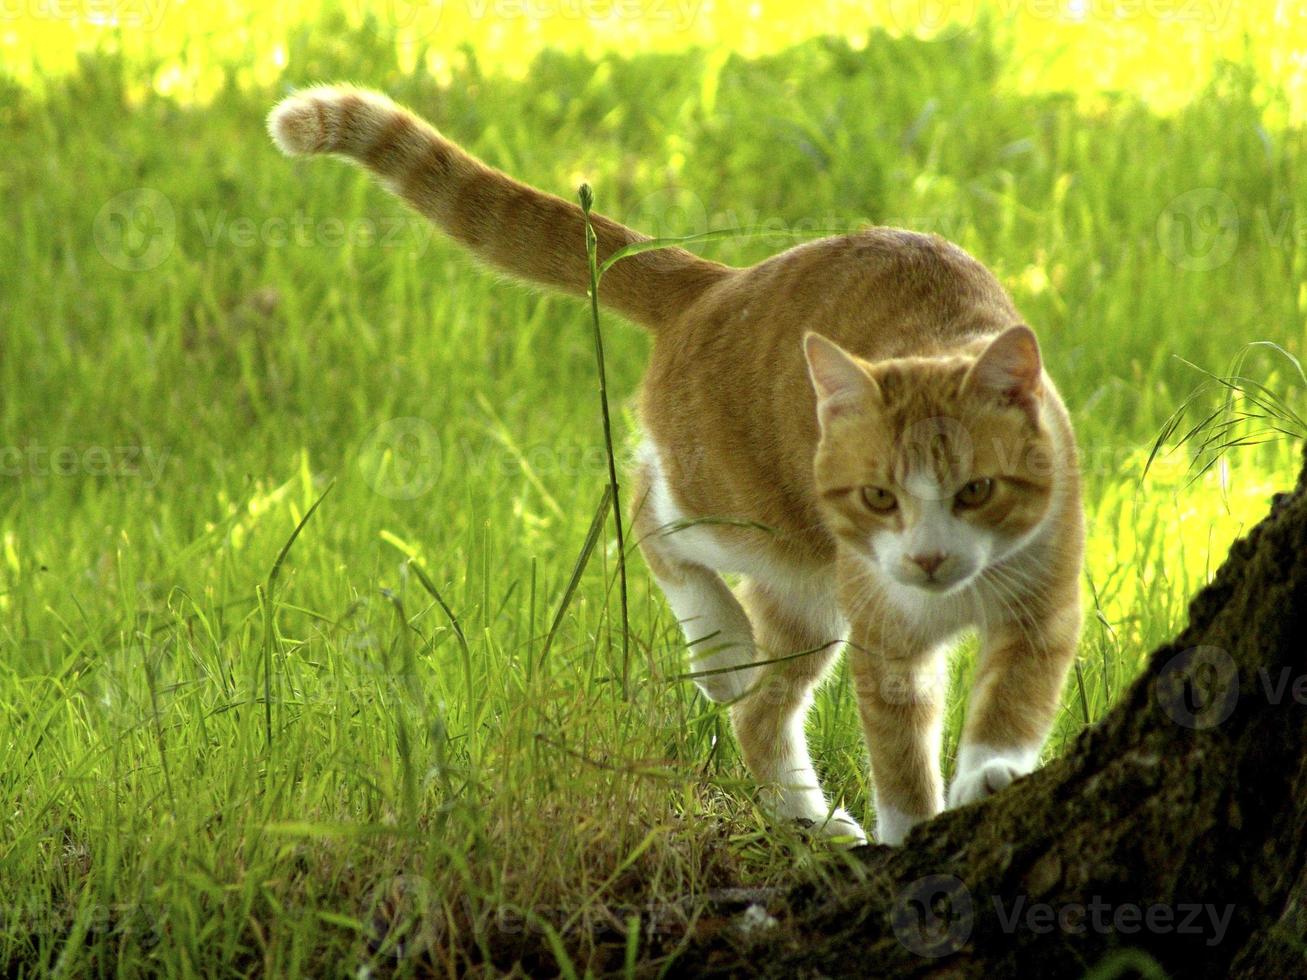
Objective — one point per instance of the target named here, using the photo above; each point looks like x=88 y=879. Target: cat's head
x=933 y=468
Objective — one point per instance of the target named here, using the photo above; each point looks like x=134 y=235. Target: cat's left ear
x=841 y=383
x=1010 y=367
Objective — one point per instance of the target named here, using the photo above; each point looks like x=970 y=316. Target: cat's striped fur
x=864 y=430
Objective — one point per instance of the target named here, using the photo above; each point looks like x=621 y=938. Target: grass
x=252 y=726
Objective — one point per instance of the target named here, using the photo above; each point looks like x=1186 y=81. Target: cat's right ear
x=841 y=383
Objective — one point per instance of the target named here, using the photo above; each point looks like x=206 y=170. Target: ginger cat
x=862 y=428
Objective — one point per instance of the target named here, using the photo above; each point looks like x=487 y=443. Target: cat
x=861 y=427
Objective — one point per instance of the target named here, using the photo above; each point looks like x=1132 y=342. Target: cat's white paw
x=837 y=827
x=810 y=811
x=892 y=824
x=986 y=780
x=983 y=770
x=844 y=828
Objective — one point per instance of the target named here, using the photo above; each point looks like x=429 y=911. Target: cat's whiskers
x=923 y=376
x=1009 y=594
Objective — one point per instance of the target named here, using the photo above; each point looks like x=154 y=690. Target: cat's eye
x=879 y=499
x=975 y=493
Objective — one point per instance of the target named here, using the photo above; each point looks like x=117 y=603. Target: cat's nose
x=929 y=562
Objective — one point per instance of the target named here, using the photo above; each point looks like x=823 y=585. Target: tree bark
x=1172 y=831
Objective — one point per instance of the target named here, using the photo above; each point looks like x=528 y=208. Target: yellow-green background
x=200 y=780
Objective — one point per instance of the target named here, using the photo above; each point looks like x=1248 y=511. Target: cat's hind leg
x=715 y=625
x=716 y=628
x=770 y=699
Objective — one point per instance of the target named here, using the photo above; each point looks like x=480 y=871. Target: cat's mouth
x=937 y=583
x=939 y=587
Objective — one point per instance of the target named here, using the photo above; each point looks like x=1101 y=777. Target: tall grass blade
x=267 y=601
x=583 y=559
x=592 y=260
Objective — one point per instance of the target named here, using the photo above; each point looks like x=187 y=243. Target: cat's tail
x=517 y=228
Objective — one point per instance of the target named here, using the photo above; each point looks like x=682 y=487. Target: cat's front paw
x=811 y=812
x=843 y=828
x=893 y=824
x=838 y=827
x=986 y=780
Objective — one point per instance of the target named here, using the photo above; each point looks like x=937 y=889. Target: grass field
x=226 y=749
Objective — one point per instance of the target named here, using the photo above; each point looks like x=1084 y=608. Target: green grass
x=228 y=749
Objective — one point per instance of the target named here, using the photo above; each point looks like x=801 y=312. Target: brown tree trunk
x=1175 y=827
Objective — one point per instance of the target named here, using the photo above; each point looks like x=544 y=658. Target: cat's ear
x=840 y=381
x=1010 y=367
